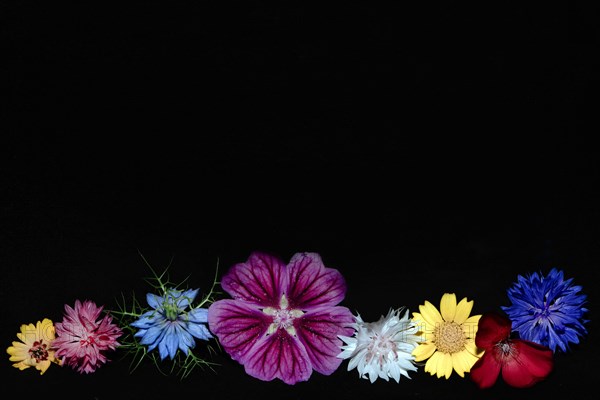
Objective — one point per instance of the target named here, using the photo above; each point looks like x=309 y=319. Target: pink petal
x=278 y=356
x=238 y=325
x=485 y=371
x=260 y=280
x=318 y=331
x=311 y=284
x=531 y=363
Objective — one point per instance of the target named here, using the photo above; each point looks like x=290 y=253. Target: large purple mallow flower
x=284 y=320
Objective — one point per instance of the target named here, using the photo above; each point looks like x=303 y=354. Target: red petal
x=493 y=328
x=485 y=371
x=531 y=363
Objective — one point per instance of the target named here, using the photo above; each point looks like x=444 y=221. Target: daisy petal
x=445 y=365
x=458 y=364
x=260 y=280
x=467 y=359
x=430 y=314
x=472 y=348
x=311 y=284
x=448 y=306
x=470 y=326
x=432 y=362
x=463 y=310
x=423 y=351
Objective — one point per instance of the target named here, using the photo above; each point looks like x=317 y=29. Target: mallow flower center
x=283 y=317
x=449 y=337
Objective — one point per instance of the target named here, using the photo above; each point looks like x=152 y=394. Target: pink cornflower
x=283 y=320
x=84 y=337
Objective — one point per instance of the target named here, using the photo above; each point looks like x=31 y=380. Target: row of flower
x=284 y=321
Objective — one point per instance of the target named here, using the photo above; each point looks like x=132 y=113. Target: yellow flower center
x=449 y=337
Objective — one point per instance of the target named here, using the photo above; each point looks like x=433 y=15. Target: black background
x=418 y=149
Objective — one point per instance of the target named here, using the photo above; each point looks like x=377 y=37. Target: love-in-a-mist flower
x=35 y=346
x=548 y=310
x=284 y=320
x=522 y=363
x=85 y=337
x=173 y=323
x=382 y=349
x=448 y=336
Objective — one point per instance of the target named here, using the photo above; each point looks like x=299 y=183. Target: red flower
x=523 y=363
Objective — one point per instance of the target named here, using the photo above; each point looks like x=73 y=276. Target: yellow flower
x=34 y=349
x=448 y=336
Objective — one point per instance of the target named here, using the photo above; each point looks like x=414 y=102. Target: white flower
x=382 y=349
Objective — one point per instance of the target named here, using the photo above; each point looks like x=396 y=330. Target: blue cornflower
x=170 y=326
x=547 y=310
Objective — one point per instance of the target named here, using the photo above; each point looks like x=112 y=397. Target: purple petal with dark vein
x=260 y=280
x=318 y=331
x=278 y=356
x=238 y=325
x=312 y=284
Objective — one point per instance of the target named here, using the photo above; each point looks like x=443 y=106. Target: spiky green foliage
x=130 y=309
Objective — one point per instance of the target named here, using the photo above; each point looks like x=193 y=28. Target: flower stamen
x=39 y=351
x=283 y=318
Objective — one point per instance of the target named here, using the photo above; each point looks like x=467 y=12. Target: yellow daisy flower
x=448 y=336
x=34 y=349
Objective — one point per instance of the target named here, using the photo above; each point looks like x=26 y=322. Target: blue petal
x=187 y=298
x=200 y=331
x=186 y=341
x=153 y=335
x=198 y=315
x=169 y=343
x=140 y=333
x=154 y=301
x=147 y=320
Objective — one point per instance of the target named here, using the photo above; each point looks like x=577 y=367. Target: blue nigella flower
x=170 y=325
x=547 y=310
